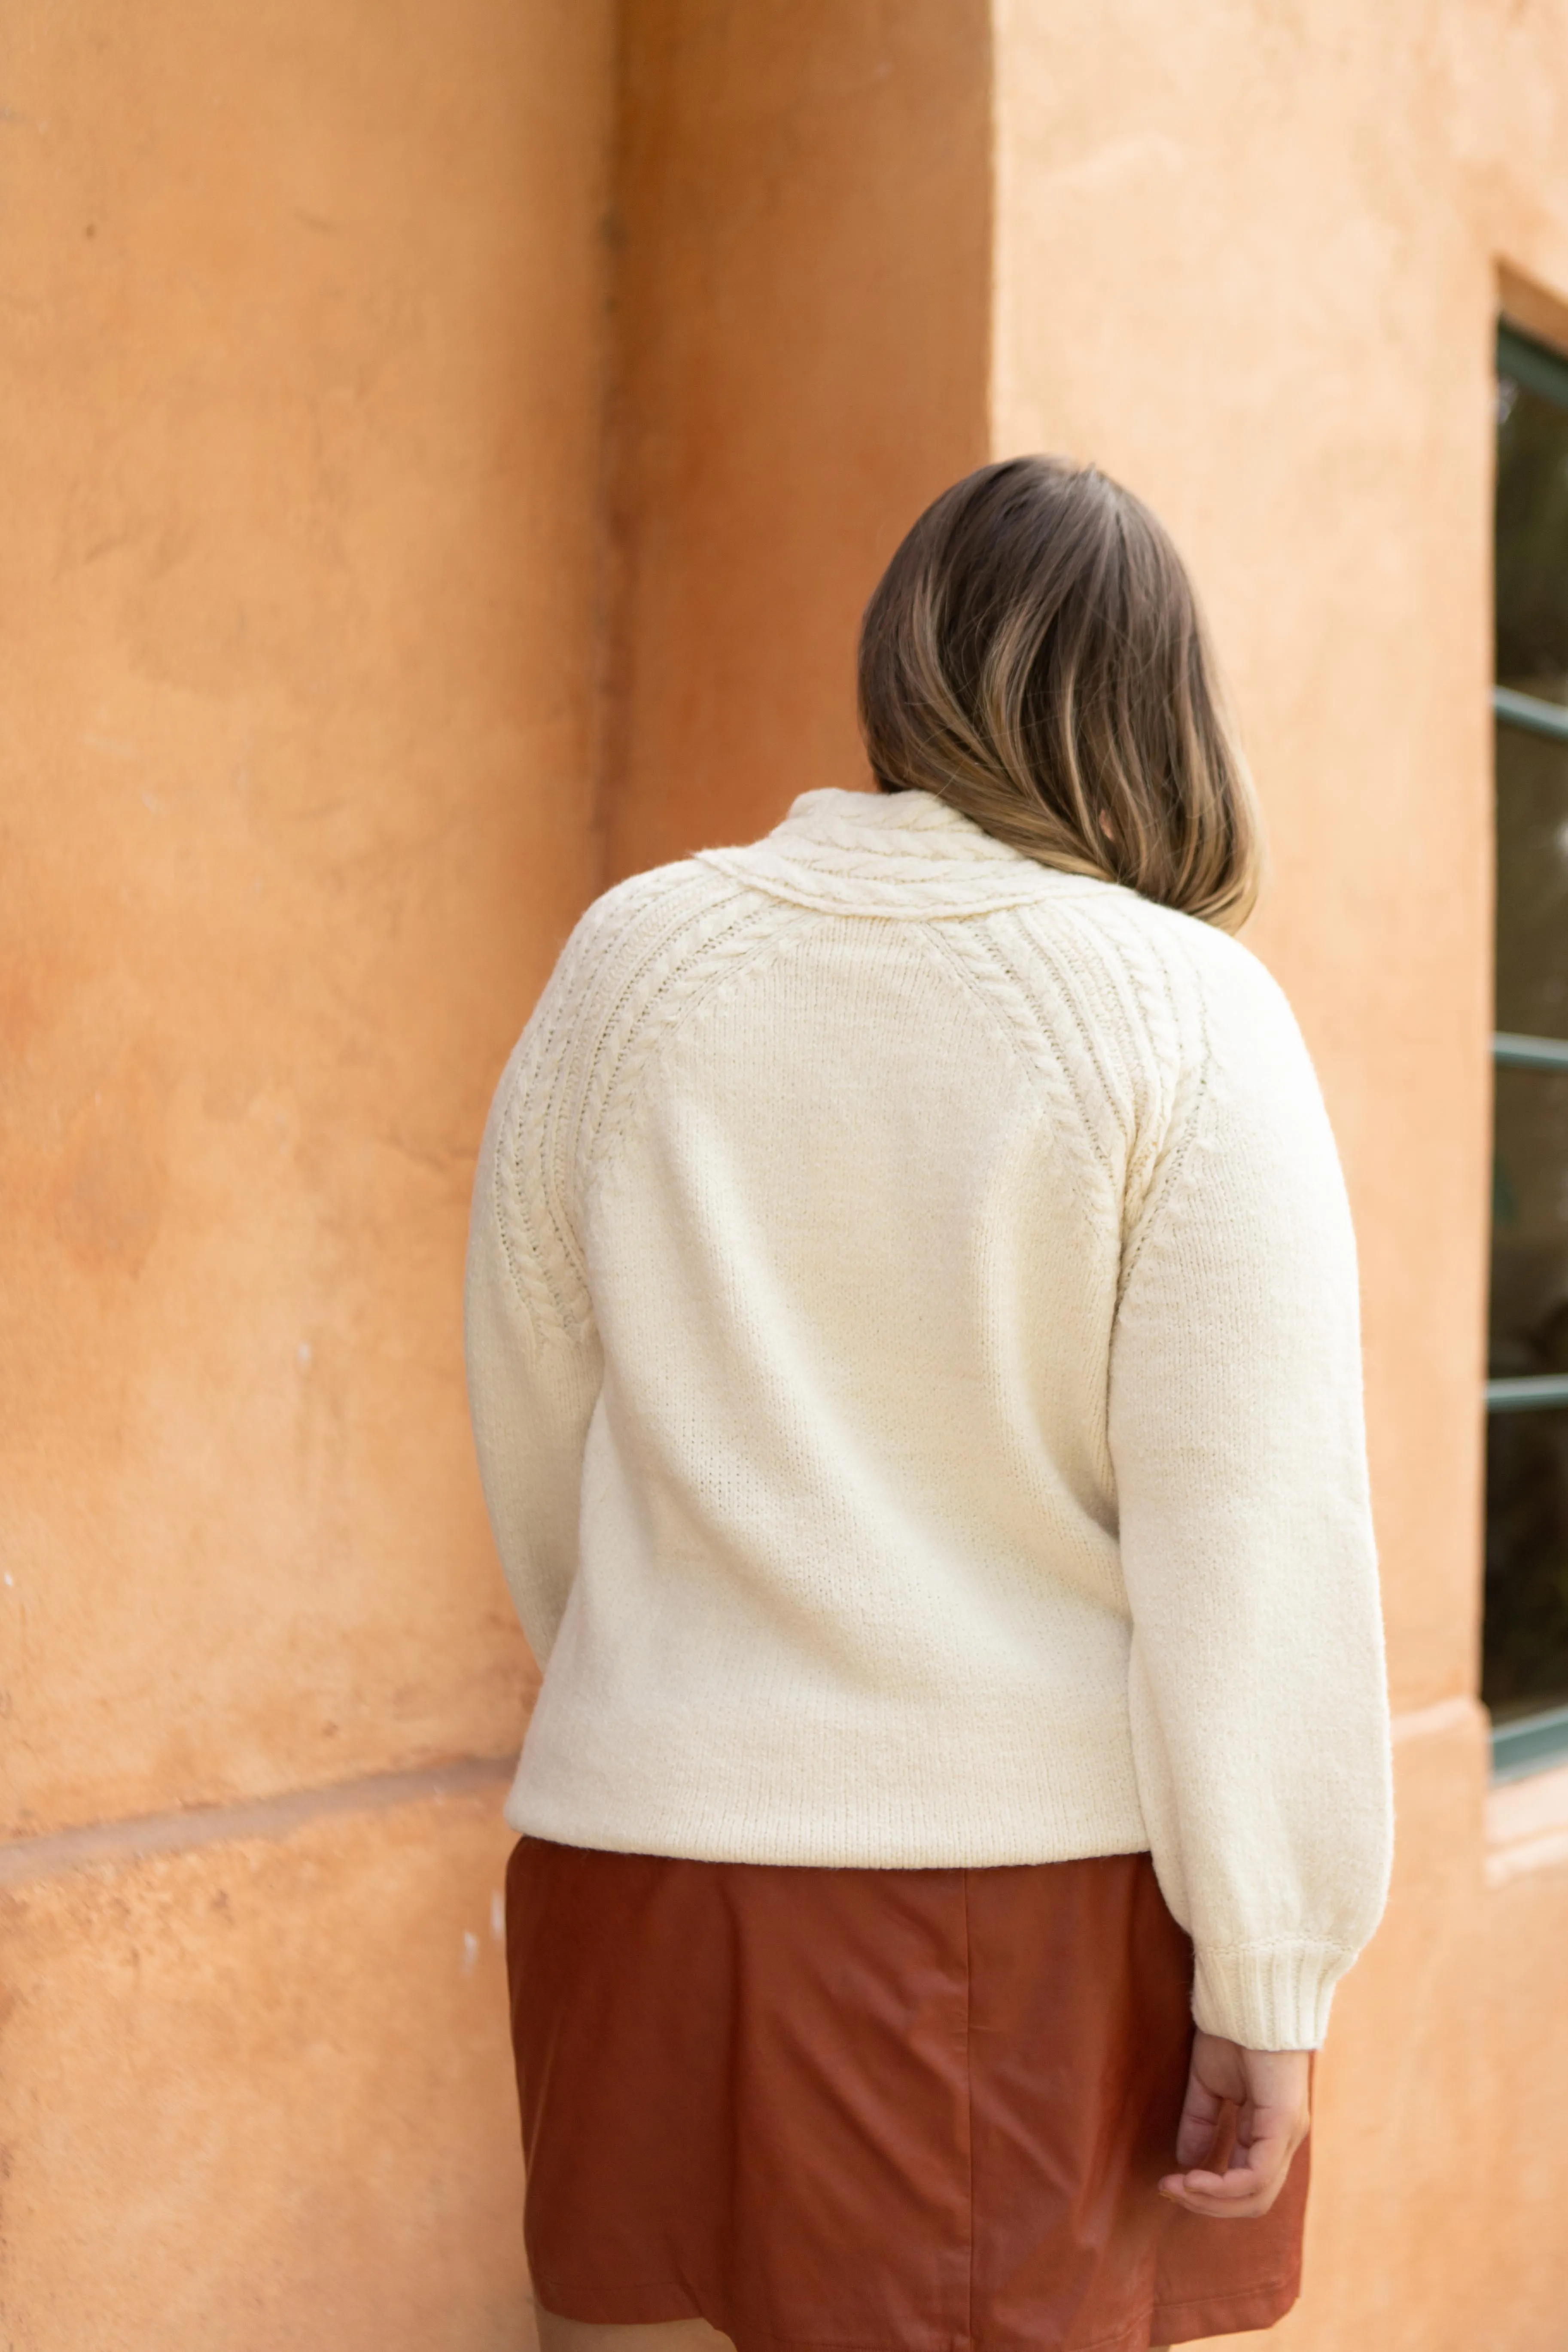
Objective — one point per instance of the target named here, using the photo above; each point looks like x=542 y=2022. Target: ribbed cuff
x=1267 y=1995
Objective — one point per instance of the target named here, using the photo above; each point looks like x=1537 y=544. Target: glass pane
x=1525 y=1658
x=1532 y=883
x=1526 y=1646
x=1530 y=1224
x=1531 y=542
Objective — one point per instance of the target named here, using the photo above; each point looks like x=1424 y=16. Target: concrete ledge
x=127 y=1841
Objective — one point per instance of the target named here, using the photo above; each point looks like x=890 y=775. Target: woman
x=912 y=1340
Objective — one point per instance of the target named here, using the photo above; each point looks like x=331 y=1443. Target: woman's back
x=913 y=1350
x=938 y=1266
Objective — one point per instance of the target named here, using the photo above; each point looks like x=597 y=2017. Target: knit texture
x=914 y=1359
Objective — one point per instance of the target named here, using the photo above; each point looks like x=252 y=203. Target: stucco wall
x=448 y=457
x=303 y=332
x=802 y=298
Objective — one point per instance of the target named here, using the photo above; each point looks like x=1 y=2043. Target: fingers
x=1215 y=2073
x=1271 y=2090
x=1249 y=2186
x=1201 y=2112
x=1243 y=2194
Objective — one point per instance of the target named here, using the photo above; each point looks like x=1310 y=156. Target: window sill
x=1527 y=1825
x=1529 y=1744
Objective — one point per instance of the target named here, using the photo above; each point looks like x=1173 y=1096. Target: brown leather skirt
x=917 y=2110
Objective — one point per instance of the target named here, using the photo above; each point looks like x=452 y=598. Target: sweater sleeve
x=535 y=1362
x=1257 y=1694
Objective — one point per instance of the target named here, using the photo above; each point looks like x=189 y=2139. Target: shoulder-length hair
x=1034 y=655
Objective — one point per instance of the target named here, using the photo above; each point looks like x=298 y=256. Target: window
x=1524 y=1676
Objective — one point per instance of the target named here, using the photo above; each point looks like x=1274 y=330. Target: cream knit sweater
x=913 y=1351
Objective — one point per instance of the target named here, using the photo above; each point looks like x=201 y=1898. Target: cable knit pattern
x=913 y=1351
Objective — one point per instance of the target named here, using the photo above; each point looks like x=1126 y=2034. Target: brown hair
x=1033 y=655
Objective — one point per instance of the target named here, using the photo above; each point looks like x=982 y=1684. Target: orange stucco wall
x=803 y=300
x=449 y=448
x=303 y=368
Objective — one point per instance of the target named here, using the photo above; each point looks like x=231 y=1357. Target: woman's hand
x=1269 y=2088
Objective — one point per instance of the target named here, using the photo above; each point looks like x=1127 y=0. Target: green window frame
x=1531 y=1742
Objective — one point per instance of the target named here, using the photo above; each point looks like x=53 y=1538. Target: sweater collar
x=904 y=853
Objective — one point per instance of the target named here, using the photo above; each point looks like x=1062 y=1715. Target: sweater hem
x=864 y=1845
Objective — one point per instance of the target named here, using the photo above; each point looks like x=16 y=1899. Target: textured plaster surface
x=803 y=285
x=302 y=361
x=328 y=601
x=258 y=2096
